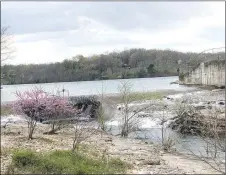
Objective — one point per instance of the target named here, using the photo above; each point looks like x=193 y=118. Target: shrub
x=59 y=162
x=25 y=158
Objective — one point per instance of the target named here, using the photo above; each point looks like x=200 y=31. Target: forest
x=131 y=63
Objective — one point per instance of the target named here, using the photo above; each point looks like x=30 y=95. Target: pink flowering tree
x=38 y=105
x=57 y=110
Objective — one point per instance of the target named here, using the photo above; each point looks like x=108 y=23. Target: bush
x=79 y=101
x=24 y=158
x=67 y=162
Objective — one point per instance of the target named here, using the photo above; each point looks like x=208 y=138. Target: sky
x=45 y=32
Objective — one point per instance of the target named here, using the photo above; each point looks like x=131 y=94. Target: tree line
x=131 y=63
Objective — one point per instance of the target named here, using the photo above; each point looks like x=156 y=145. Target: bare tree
x=130 y=119
x=82 y=132
x=6 y=44
x=213 y=135
x=106 y=111
x=166 y=138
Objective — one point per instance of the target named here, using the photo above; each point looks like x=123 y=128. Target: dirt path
x=189 y=164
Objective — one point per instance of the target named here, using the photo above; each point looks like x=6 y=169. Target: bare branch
x=6 y=44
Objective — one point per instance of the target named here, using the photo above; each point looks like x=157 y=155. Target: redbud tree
x=38 y=105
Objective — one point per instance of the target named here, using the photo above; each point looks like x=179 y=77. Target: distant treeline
x=132 y=63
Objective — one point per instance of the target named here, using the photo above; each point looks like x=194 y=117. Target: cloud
x=53 y=31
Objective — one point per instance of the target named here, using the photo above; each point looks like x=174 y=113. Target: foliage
x=63 y=162
x=37 y=105
x=151 y=69
x=140 y=63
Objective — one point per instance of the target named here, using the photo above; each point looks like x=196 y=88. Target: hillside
x=133 y=63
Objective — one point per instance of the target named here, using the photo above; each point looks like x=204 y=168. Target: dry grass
x=6 y=110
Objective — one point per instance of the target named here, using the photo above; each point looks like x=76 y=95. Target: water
x=95 y=87
x=151 y=131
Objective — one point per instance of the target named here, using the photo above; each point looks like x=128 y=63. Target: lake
x=95 y=87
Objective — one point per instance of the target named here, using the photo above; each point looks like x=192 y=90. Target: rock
x=108 y=140
x=200 y=107
x=175 y=82
x=137 y=163
x=168 y=98
x=211 y=102
x=151 y=162
x=221 y=103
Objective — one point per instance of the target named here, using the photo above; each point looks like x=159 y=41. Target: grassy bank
x=139 y=96
x=62 y=162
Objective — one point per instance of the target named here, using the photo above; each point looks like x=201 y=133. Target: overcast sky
x=52 y=31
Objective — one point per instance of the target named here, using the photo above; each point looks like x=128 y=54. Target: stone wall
x=208 y=73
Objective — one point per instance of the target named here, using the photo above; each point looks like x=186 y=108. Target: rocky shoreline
x=145 y=158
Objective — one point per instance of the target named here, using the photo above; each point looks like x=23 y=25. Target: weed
x=61 y=162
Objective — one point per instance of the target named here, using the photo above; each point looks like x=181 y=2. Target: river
x=151 y=133
x=95 y=87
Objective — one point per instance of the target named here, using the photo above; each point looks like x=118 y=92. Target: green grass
x=136 y=96
x=62 y=162
x=6 y=110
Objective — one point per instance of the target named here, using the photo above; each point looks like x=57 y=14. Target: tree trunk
x=75 y=145
x=162 y=135
x=53 y=131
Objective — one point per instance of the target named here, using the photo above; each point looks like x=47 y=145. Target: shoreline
x=132 y=150
x=145 y=158
x=92 y=80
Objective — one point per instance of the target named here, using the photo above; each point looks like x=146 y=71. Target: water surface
x=95 y=87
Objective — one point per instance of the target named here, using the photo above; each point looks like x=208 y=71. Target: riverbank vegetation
x=36 y=104
x=63 y=162
x=138 y=96
x=208 y=124
x=133 y=63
